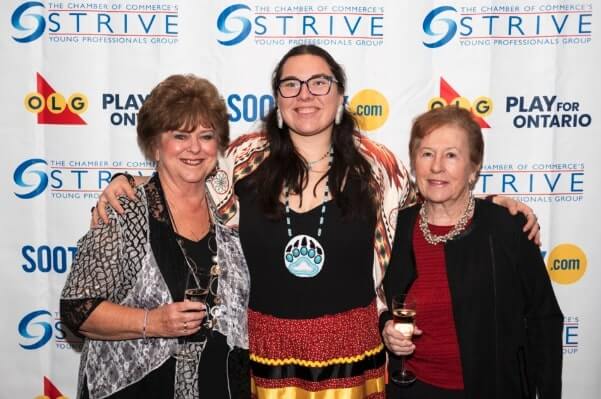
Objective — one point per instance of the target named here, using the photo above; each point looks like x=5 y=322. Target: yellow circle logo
x=78 y=103
x=566 y=264
x=56 y=103
x=482 y=106
x=370 y=108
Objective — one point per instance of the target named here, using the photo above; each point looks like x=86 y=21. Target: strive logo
x=291 y=24
x=509 y=24
x=23 y=16
x=240 y=32
x=26 y=172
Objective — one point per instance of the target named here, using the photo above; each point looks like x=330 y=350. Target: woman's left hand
x=396 y=342
x=514 y=206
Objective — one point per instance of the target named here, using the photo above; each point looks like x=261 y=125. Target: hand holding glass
x=403 y=313
x=197 y=294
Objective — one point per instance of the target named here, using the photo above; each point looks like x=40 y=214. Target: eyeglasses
x=317 y=85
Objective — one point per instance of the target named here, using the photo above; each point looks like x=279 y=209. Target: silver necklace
x=193 y=270
x=457 y=228
x=304 y=256
x=310 y=164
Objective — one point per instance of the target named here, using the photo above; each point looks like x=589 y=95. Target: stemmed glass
x=197 y=290
x=403 y=313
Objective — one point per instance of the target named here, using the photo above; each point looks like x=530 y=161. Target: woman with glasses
x=315 y=203
x=315 y=200
x=125 y=293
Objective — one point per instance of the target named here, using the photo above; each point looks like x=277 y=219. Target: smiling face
x=187 y=158
x=306 y=114
x=442 y=165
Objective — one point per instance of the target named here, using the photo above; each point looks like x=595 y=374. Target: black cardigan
x=509 y=325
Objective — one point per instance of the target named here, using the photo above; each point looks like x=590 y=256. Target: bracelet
x=146 y=311
x=130 y=178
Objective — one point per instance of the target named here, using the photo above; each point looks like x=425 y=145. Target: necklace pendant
x=304 y=256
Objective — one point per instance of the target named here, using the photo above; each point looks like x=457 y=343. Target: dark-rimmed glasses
x=317 y=85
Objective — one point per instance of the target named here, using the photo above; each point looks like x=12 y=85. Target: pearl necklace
x=455 y=231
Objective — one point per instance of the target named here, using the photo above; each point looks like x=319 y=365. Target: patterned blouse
x=115 y=262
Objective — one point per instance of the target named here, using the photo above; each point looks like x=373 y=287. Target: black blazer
x=508 y=322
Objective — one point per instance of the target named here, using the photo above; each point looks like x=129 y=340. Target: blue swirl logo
x=451 y=26
x=19 y=16
x=223 y=19
x=26 y=324
x=22 y=171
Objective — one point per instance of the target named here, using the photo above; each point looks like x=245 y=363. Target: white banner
x=74 y=75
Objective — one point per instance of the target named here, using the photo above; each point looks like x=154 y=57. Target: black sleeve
x=75 y=311
x=544 y=320
x=390 y=276
x=400 y=272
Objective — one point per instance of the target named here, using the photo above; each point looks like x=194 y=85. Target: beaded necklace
x=304 y=256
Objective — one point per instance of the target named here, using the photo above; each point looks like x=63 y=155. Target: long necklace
x=457 y=228
x=193 y=269
x=304 y=256
x=195 y=235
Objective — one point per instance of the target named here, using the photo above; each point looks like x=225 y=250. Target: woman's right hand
x=396 y=342
x=176 y=319
x=110 y=196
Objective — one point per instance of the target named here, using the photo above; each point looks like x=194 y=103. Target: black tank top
x=345 y=282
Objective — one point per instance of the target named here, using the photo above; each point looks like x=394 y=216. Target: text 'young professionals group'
x=302 y=262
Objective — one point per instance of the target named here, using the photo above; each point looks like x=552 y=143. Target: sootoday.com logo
x=566 y=263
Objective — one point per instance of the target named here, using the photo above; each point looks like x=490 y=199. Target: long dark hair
x=285 y=166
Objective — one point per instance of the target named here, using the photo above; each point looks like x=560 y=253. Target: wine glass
x=403 y=313
x=197 y=290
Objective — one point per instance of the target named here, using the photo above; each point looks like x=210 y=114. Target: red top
x=436 y=359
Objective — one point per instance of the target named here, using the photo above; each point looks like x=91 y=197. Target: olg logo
x=480 y=107
x=52 y=107
x=50 y=391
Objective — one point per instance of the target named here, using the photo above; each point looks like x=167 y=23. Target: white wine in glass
x=403 y=314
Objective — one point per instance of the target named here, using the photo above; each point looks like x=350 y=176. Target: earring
x=219 y=180
x=339 y=112
x=278 y=115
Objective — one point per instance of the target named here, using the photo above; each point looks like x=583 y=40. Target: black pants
x=421 y=390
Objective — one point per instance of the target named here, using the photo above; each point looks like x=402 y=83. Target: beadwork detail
x=304 y=256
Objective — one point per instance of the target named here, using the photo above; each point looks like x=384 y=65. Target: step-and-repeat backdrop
x=74 y=75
